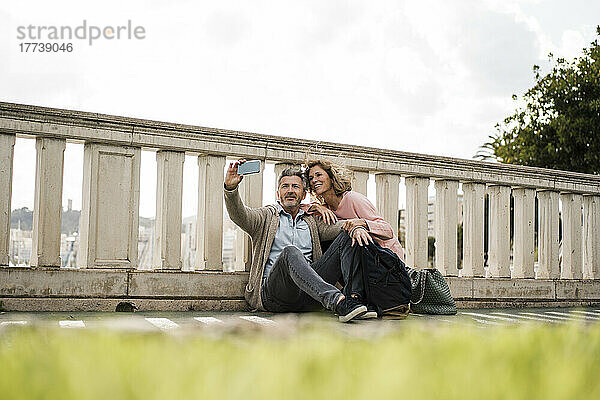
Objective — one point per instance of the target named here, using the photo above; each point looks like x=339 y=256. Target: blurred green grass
x=456 y=363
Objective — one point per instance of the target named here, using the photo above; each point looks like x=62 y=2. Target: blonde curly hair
x=341 y=177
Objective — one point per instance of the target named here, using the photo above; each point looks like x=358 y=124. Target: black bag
x=385 y=281
x=431 y=294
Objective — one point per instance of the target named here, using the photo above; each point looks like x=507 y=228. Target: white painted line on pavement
x=5 y=323
x=492 y=317
x=485 y=322
x=550 y=316
x=586 y=313
x=162 y=323
x=443 y=320
x=429 y=317
x=71 y=324
x=258 y=320
x=209 y=320
x=571 y=315
x=531 y=318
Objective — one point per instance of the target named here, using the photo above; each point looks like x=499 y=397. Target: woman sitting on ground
x=331 y=185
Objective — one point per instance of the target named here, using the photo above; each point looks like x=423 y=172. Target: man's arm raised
x=246 y=218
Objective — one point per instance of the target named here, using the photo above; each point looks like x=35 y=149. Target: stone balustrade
x=109 y=271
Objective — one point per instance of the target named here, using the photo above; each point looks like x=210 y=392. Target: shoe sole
x=369 y=315
x=357 y=312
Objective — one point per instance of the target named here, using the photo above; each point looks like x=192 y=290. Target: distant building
x=145 y=246
x=68 y=250
x=19 y=247
x=188 y=243
x=21 y=243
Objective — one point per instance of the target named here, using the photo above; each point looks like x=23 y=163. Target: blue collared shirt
x=290 y=232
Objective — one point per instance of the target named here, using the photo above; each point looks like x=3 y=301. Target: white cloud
x=431 y=76
x=405 y=67
x=571 y=44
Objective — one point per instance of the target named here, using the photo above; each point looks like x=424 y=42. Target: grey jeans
x=294 y=285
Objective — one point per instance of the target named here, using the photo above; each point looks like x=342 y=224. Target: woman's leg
x=341 y=261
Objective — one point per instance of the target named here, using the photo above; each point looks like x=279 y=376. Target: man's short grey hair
x=295 y=170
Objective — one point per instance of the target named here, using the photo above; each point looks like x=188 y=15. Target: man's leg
x=292 y=284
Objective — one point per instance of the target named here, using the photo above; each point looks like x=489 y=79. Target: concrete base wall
x=25 y=289
x=524 y=290
x=28 y=304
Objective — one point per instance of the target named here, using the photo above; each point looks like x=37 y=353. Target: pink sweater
x=356 y=205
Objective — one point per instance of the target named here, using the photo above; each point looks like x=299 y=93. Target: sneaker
x=370 y=314
x=349 y=308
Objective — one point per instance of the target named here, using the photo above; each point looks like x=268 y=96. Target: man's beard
x=290 y=202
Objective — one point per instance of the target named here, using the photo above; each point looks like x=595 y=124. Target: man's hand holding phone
x=232 y=178
x=237 y=170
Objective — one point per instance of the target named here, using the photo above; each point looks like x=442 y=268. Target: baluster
x=109 y=220
x=548 y=262
x=251 y=192
x=524 y=246
x=359 y=181
x=446 y=224
x=473 y=219
x=7 y=147
x=167 y=226
x=499 y=233
x=47 y=209
x=591 y=237
x=209 y=225
x=572 y=259
x=416 y=221
x=388 y=192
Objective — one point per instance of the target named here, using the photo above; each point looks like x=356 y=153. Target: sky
x=429 y=77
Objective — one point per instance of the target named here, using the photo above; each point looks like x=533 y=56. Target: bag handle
x=422 y=274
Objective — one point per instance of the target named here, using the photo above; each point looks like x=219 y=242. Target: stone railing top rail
x=27 y=120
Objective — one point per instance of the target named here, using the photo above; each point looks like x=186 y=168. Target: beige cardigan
x=261 y=224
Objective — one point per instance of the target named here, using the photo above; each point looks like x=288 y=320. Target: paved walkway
x=220 y=323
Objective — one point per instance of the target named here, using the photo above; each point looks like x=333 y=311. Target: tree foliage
x=559 y=127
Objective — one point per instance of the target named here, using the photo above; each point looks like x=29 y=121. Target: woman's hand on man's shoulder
x=325 y=213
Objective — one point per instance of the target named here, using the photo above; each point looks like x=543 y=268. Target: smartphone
x=249 y=167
